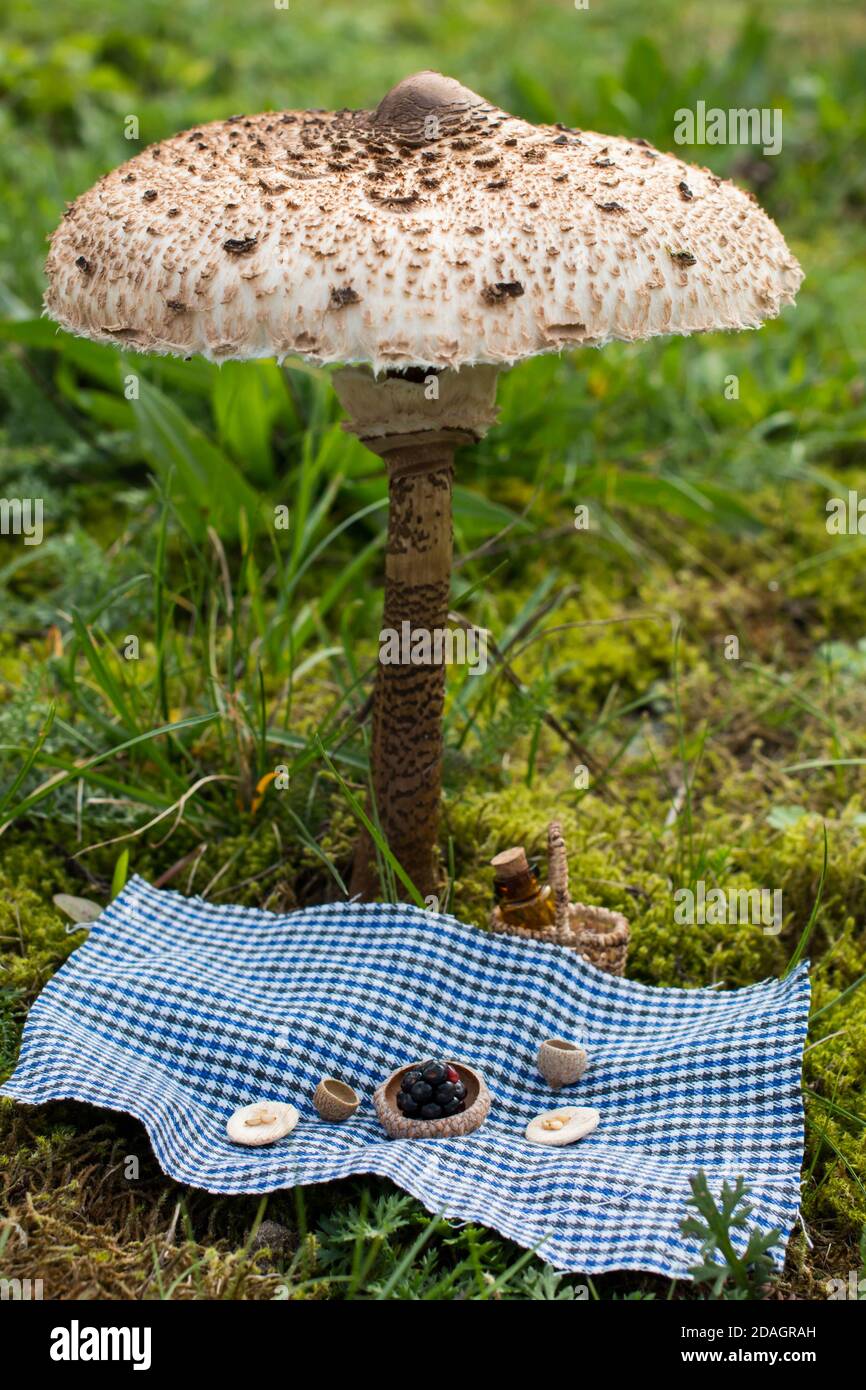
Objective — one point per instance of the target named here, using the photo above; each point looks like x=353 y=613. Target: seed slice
x=263 y=1122
x=563 y=1126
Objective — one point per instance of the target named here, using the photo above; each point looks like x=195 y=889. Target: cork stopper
x=510 y=863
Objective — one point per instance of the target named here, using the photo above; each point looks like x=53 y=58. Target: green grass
x=256 y=645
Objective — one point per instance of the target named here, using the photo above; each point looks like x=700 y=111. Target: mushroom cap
x=434 y=231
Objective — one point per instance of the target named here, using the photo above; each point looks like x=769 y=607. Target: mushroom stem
x=409 y=697
x=415 y=429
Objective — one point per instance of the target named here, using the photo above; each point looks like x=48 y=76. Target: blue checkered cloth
x=179 y=1011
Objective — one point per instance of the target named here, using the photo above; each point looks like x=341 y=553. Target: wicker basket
x=597 y=934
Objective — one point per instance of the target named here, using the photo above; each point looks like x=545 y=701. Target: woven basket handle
x=557 y=872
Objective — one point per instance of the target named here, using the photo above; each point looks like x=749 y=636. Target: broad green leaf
x=207 y=488
x=474 y=512
x=248 y=399
x=98 y=361
x=701 y=502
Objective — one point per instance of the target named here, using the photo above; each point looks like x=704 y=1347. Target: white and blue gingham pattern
x=178 y=1012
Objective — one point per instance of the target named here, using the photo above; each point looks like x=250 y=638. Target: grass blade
x=807 y=930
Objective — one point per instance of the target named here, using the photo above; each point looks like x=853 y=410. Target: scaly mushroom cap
x=435 y=231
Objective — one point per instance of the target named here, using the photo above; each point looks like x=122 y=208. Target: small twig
x=676 y=806
x=177 y=806
x=20 y=932
x=160 y=1262
x=535 y=617
x=589 y=622
x=235 y=855
x=495 y=546
x=224 y=568
x=254 y=878
x=180 y=864
x=194 y=870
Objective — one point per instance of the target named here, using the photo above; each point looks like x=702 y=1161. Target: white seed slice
x=262 y=1123
x=261 y=1115
x=565 y=1126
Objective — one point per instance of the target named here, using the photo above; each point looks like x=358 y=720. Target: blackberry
x=434 y=1074
x=431 y=1090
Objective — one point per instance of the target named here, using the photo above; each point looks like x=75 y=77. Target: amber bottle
x=521 y=899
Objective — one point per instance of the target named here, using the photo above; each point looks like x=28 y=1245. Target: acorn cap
x=435 y=231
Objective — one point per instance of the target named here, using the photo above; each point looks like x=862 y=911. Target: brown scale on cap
x=239 y=219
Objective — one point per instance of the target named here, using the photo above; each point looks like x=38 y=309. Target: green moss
x=33 y=932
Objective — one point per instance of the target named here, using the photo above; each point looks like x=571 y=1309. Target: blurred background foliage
x=257 y=646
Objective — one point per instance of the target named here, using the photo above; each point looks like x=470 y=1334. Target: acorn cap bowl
x=397 y=1126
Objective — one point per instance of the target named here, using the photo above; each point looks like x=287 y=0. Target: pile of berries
x=431 y=1091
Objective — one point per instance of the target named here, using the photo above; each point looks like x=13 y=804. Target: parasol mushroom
x=433 y=241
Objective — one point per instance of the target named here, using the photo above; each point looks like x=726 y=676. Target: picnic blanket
x=178 y=1011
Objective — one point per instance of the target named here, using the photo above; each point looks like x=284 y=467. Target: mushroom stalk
x=409 y=698
x=415 y=426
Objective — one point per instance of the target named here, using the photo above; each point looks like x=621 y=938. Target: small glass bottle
x=521 y=899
